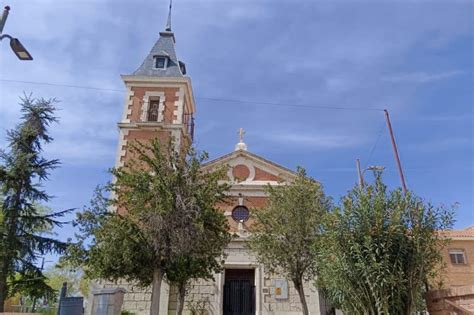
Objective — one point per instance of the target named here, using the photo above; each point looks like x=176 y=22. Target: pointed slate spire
x=163 y=48
x=168 y=23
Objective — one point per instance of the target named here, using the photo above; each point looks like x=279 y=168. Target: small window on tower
x=161 y=62
x=153 y=110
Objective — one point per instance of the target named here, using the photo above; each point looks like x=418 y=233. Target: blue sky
x=413 y=57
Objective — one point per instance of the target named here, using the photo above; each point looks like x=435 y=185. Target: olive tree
x=287 y=232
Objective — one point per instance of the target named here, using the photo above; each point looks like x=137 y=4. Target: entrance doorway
x=239 y=292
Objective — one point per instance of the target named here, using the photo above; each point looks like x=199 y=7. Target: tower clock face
x=240 y=213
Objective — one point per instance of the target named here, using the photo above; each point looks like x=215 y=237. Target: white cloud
x=81 y=151
x=422 y=77
x=442 y=145
x=314 y=140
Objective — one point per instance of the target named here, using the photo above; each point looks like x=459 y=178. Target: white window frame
x=146 y=105
x=457 y=252
x=155 y=60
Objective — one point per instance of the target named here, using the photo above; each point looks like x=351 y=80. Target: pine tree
x=22 y=222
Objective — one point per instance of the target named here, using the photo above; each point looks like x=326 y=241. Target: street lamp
x=370 y=168
x=15 y=44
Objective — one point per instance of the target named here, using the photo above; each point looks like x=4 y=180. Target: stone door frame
x=258 y=284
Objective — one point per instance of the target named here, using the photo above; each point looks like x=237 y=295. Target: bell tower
x=159 y=101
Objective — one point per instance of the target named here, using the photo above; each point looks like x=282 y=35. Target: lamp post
x=15 y=44
x=370 y=168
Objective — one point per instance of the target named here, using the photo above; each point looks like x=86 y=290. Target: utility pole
x=360 y=173
x=4 y=17
x=395 y=151
x=361 y=179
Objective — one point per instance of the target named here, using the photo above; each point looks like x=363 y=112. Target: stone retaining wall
x=457 y=300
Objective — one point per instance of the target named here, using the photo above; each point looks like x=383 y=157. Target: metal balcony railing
x=188 y=121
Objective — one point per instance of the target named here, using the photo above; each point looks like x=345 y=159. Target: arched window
x=153 y=110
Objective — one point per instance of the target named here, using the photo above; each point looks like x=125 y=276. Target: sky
x=306 y=79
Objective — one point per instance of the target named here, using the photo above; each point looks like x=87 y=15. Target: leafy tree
x=286 y=235
x=77 y=284
x=380 y=249
x=165 y=221
x=199 y=261
x=23 y=224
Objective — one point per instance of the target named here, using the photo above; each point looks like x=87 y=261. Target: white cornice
x=149 y=125
x=152 y=126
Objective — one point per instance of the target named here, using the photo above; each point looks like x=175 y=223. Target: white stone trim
x=118 y=159
x=236 y=193
x=258 y=276
x=146 y=105
x=259 y=183
x=160 y=56
x=251 y=185
x=265 y=165
x=145 y=81
x=176 y=134
x=179 y=107
x=149 y=125
x=121 y=144
x=240 y=160
x=155 y=80
x=164 y=297
x=127 y=110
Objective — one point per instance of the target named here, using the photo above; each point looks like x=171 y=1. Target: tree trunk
x=299 y=287
x=156 y=291
x=181 y=296
x=6 y=262
x=3 y=292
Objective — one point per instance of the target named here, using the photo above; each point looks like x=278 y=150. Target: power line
x=375 y=144
x=204 y=98
x=63 y=85
x=291 y=105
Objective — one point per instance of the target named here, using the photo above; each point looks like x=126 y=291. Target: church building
x=159 y=103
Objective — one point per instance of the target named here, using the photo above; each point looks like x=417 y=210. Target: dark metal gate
x=239 y=297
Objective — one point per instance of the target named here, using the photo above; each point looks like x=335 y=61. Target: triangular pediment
x=245 y=167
